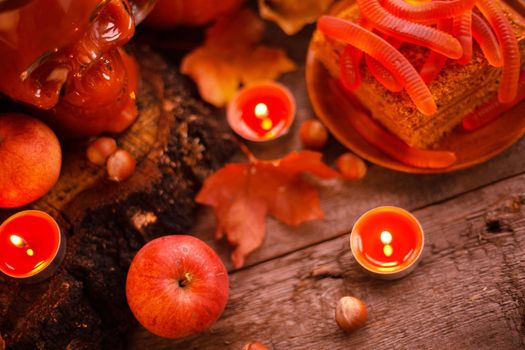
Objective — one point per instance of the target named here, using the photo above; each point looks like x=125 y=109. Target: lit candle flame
x=18 y=241
x=261 y=111
x=386 y=237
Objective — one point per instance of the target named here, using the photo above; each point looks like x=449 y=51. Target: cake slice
x=458 y=90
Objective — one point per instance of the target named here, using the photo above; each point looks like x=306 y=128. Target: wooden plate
x=471 y=148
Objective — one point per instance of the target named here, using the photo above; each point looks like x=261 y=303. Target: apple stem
x=185 y=281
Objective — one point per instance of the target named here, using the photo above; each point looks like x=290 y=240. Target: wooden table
x=467 y=293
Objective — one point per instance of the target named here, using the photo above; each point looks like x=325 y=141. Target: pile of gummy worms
x=446 y=28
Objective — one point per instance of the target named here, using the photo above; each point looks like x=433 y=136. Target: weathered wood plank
x=469 y=291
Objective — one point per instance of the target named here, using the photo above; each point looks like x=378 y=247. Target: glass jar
x=64 y=57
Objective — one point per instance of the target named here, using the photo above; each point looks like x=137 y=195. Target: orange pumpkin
x=172 y=13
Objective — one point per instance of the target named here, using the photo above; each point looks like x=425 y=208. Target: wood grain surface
x=467 y=293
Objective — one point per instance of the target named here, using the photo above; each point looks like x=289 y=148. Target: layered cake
x=459 y=87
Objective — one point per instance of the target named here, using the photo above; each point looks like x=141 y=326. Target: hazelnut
x=100 y=149
x=255 y=345
x=350 y=314
x=120 y=166
x=313 y=134
x=351 y=166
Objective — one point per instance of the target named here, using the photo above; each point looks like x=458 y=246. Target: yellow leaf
x=231 y=56
x=265 y=63
x=293 y=15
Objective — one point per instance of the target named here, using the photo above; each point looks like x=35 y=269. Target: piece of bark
x=177 y=141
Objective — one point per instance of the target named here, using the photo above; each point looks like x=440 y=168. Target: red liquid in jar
x=28 y=244
x=386 y=239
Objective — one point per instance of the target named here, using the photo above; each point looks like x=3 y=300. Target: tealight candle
x=262 y=111
x=31 y=246
x=387 y=242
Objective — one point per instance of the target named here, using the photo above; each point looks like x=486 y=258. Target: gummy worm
x=382 y=75
x=388 y=143
x=435 y=61
x=462 y=29
x=492 y=109
x=349 y=72
x=508 y=88
x=378 y=71
x=405 y=30
x=487 y=41
x=428 y=11
x=382 y=51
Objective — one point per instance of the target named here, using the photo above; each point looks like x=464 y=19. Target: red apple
x=177 y=286
x=30 y=159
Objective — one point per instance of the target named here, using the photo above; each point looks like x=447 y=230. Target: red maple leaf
x=243 y=194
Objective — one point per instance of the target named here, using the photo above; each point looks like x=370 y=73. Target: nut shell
x=313 y=134
x=120 y=166
x=351 y=166
x=100 y=150
x=255 y=345
x=351 y=314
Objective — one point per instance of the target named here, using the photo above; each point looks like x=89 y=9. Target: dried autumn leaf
x=243 y=194
x=216 y=78
x=242 y=29
x=230 y=57
x=275 y=61
x=293 y=15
